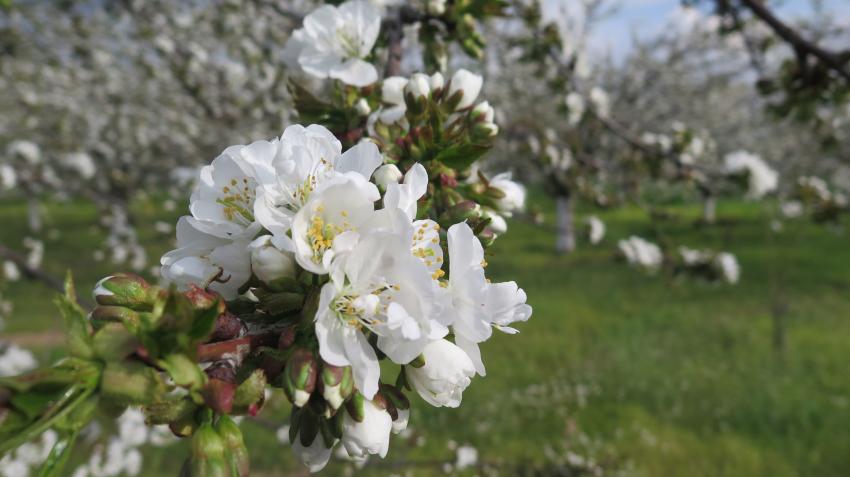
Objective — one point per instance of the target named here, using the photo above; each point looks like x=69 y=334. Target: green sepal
x=355 y=407
x=114 y=342
x=131 y=383
x=184 y=371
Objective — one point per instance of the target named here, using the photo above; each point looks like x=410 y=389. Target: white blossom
x=641 y=253
x=468 y=85
x=596 y=229
x=334 y=41
x=371 y=436
x=447 y=372
x=761 y=178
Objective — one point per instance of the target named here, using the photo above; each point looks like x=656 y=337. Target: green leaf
x=462 y=156
x=78 y=338
x=33 y=403
x=204 y=323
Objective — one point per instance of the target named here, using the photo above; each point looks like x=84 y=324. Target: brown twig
x=31 y=272
x=801 y=45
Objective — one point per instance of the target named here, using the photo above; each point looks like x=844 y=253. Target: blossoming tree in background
x=306 y=262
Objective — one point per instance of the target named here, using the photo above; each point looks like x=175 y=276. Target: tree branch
x=832 y=60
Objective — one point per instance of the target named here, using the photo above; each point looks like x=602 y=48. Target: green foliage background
x=648 y=376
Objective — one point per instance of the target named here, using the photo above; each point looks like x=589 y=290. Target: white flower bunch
x=713 y=265
x=595 y=229
x=761 y=178
x=377 y=281
x=641 y=253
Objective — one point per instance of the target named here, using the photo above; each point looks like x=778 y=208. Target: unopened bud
x=250 y=394
x=183 y=371
x=299 y=376
x=436 y=7
x=234 y=447
x=268 y=262
x=220 y=390
x=436 y=81
x=483 y=112
x=208 y=453
x=387 y=174
x=337 y=384
x=484 y=131
x=419 y=86
x=362 y=107
x=465 y=210
x=487 y=237
x=464 y=88
x=104 y=314
x=124 y=289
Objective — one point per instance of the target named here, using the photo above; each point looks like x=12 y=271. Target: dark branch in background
x=394 y=49
x=834 y=61
x=35 y=273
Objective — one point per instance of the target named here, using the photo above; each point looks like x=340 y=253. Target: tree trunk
x=709 y=209
x=566 y=238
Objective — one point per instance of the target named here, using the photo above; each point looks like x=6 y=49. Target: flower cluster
x=710 y=264
x=641 y=253
x=300 y=230
x=759 y=178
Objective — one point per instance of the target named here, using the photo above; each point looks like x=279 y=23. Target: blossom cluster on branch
x=342 y=262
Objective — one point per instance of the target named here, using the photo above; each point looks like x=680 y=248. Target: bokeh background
x=107 y=109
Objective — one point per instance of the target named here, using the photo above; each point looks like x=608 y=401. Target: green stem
x=72 y=397
x=58 y=457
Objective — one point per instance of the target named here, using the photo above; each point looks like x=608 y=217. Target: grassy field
x=632 y=374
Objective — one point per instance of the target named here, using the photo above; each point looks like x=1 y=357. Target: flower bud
x=362 y=107
x=387 y=174
x=369 y=436
x=487 y=237
x=483 y=112
x=436 y=81
x=392 y=90
x=464 y=89
x=268 y=262
x=102 y=315
x=220 y=389
x=436 y=7
x=419 y=86
x=208 y=449
x=465 y=210
x=309 y=447
x=124 y=289
x=234 y=447
x=183 y=371
x=497 y=223
x=447 y=372
x=484 y=131
x=336 y=384
x=299 y=376
x=251 y=394
x=513 y=193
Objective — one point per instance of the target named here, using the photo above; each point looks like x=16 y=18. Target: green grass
x=643 y=375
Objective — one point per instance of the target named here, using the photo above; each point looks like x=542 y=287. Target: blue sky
x=614 y=33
